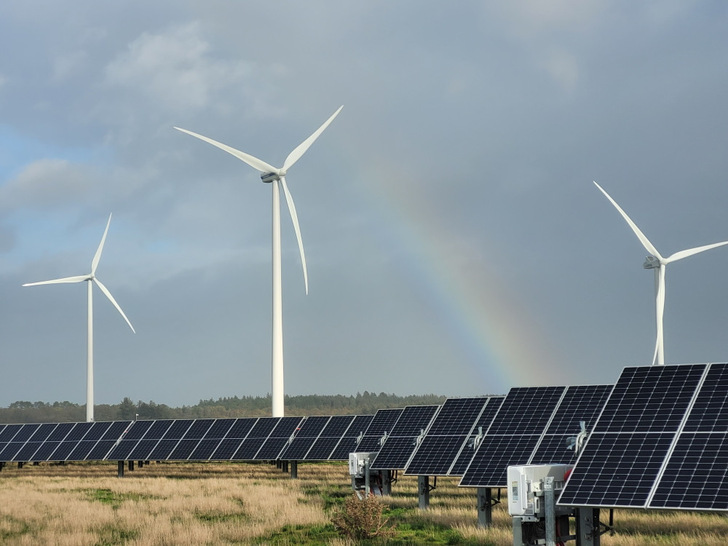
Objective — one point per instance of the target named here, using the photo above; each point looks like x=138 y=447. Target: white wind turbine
x=90 y=278
x=277 y=176
x=658 y=263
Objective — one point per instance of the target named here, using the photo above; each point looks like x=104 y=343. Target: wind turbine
x=91 y=279
x=658 y=263
x=277 y=177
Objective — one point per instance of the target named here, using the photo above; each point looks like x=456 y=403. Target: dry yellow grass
x=218 y=503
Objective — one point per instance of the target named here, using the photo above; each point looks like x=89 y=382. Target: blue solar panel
x=382 y=423
x=447 y=436
x=403 y=440
x=660 y=442
x=513 y=435
x=349 y=441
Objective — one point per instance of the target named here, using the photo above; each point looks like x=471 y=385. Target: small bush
x=362 y=518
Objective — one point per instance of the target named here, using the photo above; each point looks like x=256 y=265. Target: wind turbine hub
x=651 y=263
x=267 y=178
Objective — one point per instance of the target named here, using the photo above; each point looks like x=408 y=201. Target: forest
x=246 y=406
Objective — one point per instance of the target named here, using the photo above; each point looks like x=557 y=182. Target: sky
x=455 y=241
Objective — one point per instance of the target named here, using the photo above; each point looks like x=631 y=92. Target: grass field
x=220 y=503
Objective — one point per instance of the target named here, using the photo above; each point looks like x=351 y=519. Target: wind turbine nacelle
x=267 y=178
x=651 y=263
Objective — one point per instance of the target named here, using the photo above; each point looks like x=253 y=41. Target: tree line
x=365 y=403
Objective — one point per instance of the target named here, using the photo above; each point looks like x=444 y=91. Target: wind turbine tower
x=276 y=176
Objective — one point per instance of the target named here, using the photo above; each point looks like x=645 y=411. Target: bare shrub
x=362 y=518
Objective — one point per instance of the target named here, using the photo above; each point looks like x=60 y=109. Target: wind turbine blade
x=296 y=154
x=641 y=236
x=77 y=278
x=112 y=300
x=97 y=256
x=254 y=162
x=296 y=227
x=691 y=251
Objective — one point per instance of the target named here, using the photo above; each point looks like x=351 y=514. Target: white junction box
x=357 y=461
x=525 y=487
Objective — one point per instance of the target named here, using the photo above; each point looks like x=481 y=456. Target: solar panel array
x=531 y=425
x=451 y=434
x=401 y=442
x=264 y=438
x=660 y=442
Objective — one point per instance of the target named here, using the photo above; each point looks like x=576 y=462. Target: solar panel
x=349 y=441
x=660 y=442
x=513 y=435
x=256 y=437
x=382 y=423
x=481 y=426
x=35 y=441
x=233 y=438
x=18 y=441
x=190 y=440
x=304 y=438
x=330 y=436
x=403 y=439
x=211 y=440
x=169 y=440
x=581 y=403
x=278 y=439
x=110 y=436
x=53 y=441
x=446 y=437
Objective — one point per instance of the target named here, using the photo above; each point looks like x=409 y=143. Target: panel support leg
x=386 y=482
x=131 y=465
x=423 y=490
x=485 y=507
x=120 y=469
x=587 y=527
x=550 y=509
x=294 y=470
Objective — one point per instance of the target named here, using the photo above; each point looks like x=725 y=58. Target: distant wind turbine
x=658 y=263
x=278 y=176
x=90 y=278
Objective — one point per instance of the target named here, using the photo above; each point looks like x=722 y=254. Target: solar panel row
x=660 y=442
x=184 y=439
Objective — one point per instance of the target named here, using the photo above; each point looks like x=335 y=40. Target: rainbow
x=504 y=345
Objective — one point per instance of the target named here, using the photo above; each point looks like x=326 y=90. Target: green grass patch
x=301 y=534
x=331 y=496
x=217 y=517
x=11 y=528
x=114 y=498
x=110 y=535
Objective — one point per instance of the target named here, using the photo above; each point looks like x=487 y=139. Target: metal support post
x=517 y=532
x=131 y=465
x=587 y=527
x=550 y=509
x=386 y=482
x=485 y=507
x=120 y=469
x=423 y=488
x=294 y=470
x=367 y=489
